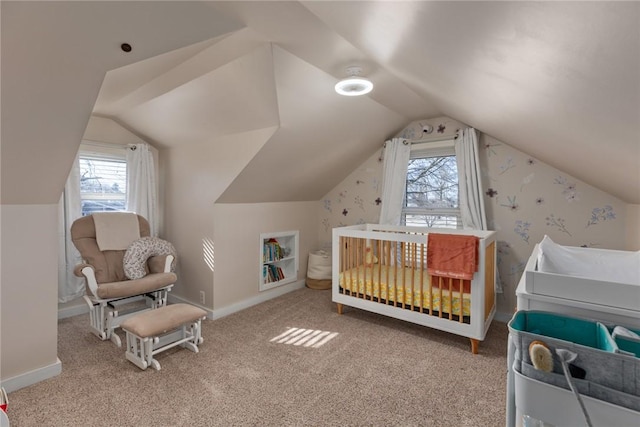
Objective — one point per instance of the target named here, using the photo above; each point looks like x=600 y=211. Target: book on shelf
x=271 y=273
x=272 y=251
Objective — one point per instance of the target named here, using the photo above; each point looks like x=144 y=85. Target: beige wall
x=103 y=129
x=633 y=228
x=28 y=289
x=194 y=178
x=30 y=239
x=237 y=229
x=524 y=198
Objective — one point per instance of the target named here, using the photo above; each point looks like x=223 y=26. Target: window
x=431 y=192
x=103 y=180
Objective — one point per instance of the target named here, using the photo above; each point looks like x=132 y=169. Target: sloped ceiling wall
x=556 y=80
x=54 y=58
x=321 y=137
x=236 y=97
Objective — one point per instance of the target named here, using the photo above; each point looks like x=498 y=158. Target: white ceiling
x=559 y=81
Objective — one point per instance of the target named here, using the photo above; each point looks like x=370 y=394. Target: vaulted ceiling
x=557 y=80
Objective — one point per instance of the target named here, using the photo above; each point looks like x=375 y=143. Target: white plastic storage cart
x=610 y=301
x=546 y=404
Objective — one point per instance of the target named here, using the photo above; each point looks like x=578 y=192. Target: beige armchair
x=111 y=296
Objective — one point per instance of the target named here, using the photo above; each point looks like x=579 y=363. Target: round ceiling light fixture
x=354 y=85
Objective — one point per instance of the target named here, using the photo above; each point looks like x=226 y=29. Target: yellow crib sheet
x=375 y=286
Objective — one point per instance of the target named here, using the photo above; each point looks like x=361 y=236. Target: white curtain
x=470 y=185
x=70 y=286
x=142 y=193
x=394 y=177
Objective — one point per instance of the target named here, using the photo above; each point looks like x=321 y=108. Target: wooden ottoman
x=160 y=329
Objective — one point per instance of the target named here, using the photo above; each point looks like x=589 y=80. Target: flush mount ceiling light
x=354 y=85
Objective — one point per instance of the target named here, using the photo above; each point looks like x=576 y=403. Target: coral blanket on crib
x=452 y=255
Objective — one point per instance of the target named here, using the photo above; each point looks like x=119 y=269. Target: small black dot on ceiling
x=126 y=47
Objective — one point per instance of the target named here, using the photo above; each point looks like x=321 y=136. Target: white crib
x=383 y=269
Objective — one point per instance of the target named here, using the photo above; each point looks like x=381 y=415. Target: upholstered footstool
x=160 y=329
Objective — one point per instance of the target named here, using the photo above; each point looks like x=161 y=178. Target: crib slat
x=361 y=262
x=356 y=261
x=422 y=267
x=363 y=242
x=387 y=249
x=379 y=250
x=344 y=257
x=368 y=249
x=440 y=292
x=430 y=294
x=361 y=257
x=461 y=302
x=347 y=248
x=404 y=274
x=395 y=272
x=450 y=298
x=413 y=247
x=351 y=255
x=373 y=281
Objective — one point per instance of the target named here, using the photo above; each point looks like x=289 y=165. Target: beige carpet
x=376 y=372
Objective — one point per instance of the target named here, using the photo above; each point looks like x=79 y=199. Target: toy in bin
x=4 y=400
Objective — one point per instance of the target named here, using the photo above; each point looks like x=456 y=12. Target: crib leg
x=339 y=308
x=474 y=346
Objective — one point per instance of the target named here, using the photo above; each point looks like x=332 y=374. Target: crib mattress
x=373 y=282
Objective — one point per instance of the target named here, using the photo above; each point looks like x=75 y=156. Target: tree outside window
x=431 y=195
x=103 y=184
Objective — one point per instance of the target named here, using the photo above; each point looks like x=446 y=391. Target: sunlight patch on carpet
x=305 y=337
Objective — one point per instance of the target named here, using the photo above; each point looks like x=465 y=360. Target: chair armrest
x=78 y=269
x=89 y=274
x=160 y=263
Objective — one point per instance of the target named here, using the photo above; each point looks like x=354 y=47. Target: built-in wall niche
x=278 y=258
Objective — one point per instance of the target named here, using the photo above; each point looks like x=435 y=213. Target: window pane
x=432 y=183
x=103 y=184
x=431 y=220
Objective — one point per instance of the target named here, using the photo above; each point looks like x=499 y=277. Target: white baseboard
x=233 y=308
x=32 y=377
x=76 y=310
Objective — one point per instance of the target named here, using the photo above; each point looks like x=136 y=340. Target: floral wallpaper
x=524 y=200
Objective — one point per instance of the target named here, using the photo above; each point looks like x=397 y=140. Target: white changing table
x=529 y=397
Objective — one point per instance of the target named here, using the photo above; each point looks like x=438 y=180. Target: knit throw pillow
x=137 y=254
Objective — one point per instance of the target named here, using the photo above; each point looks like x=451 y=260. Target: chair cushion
x=108 y=264
x=162 y=320
x=148 y=283
x=135 y=258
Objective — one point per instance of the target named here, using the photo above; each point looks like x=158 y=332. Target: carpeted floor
x=376 y=371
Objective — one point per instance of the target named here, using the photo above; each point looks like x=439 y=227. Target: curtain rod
x=431 y=139
x=426 y=140
x=109 y=145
